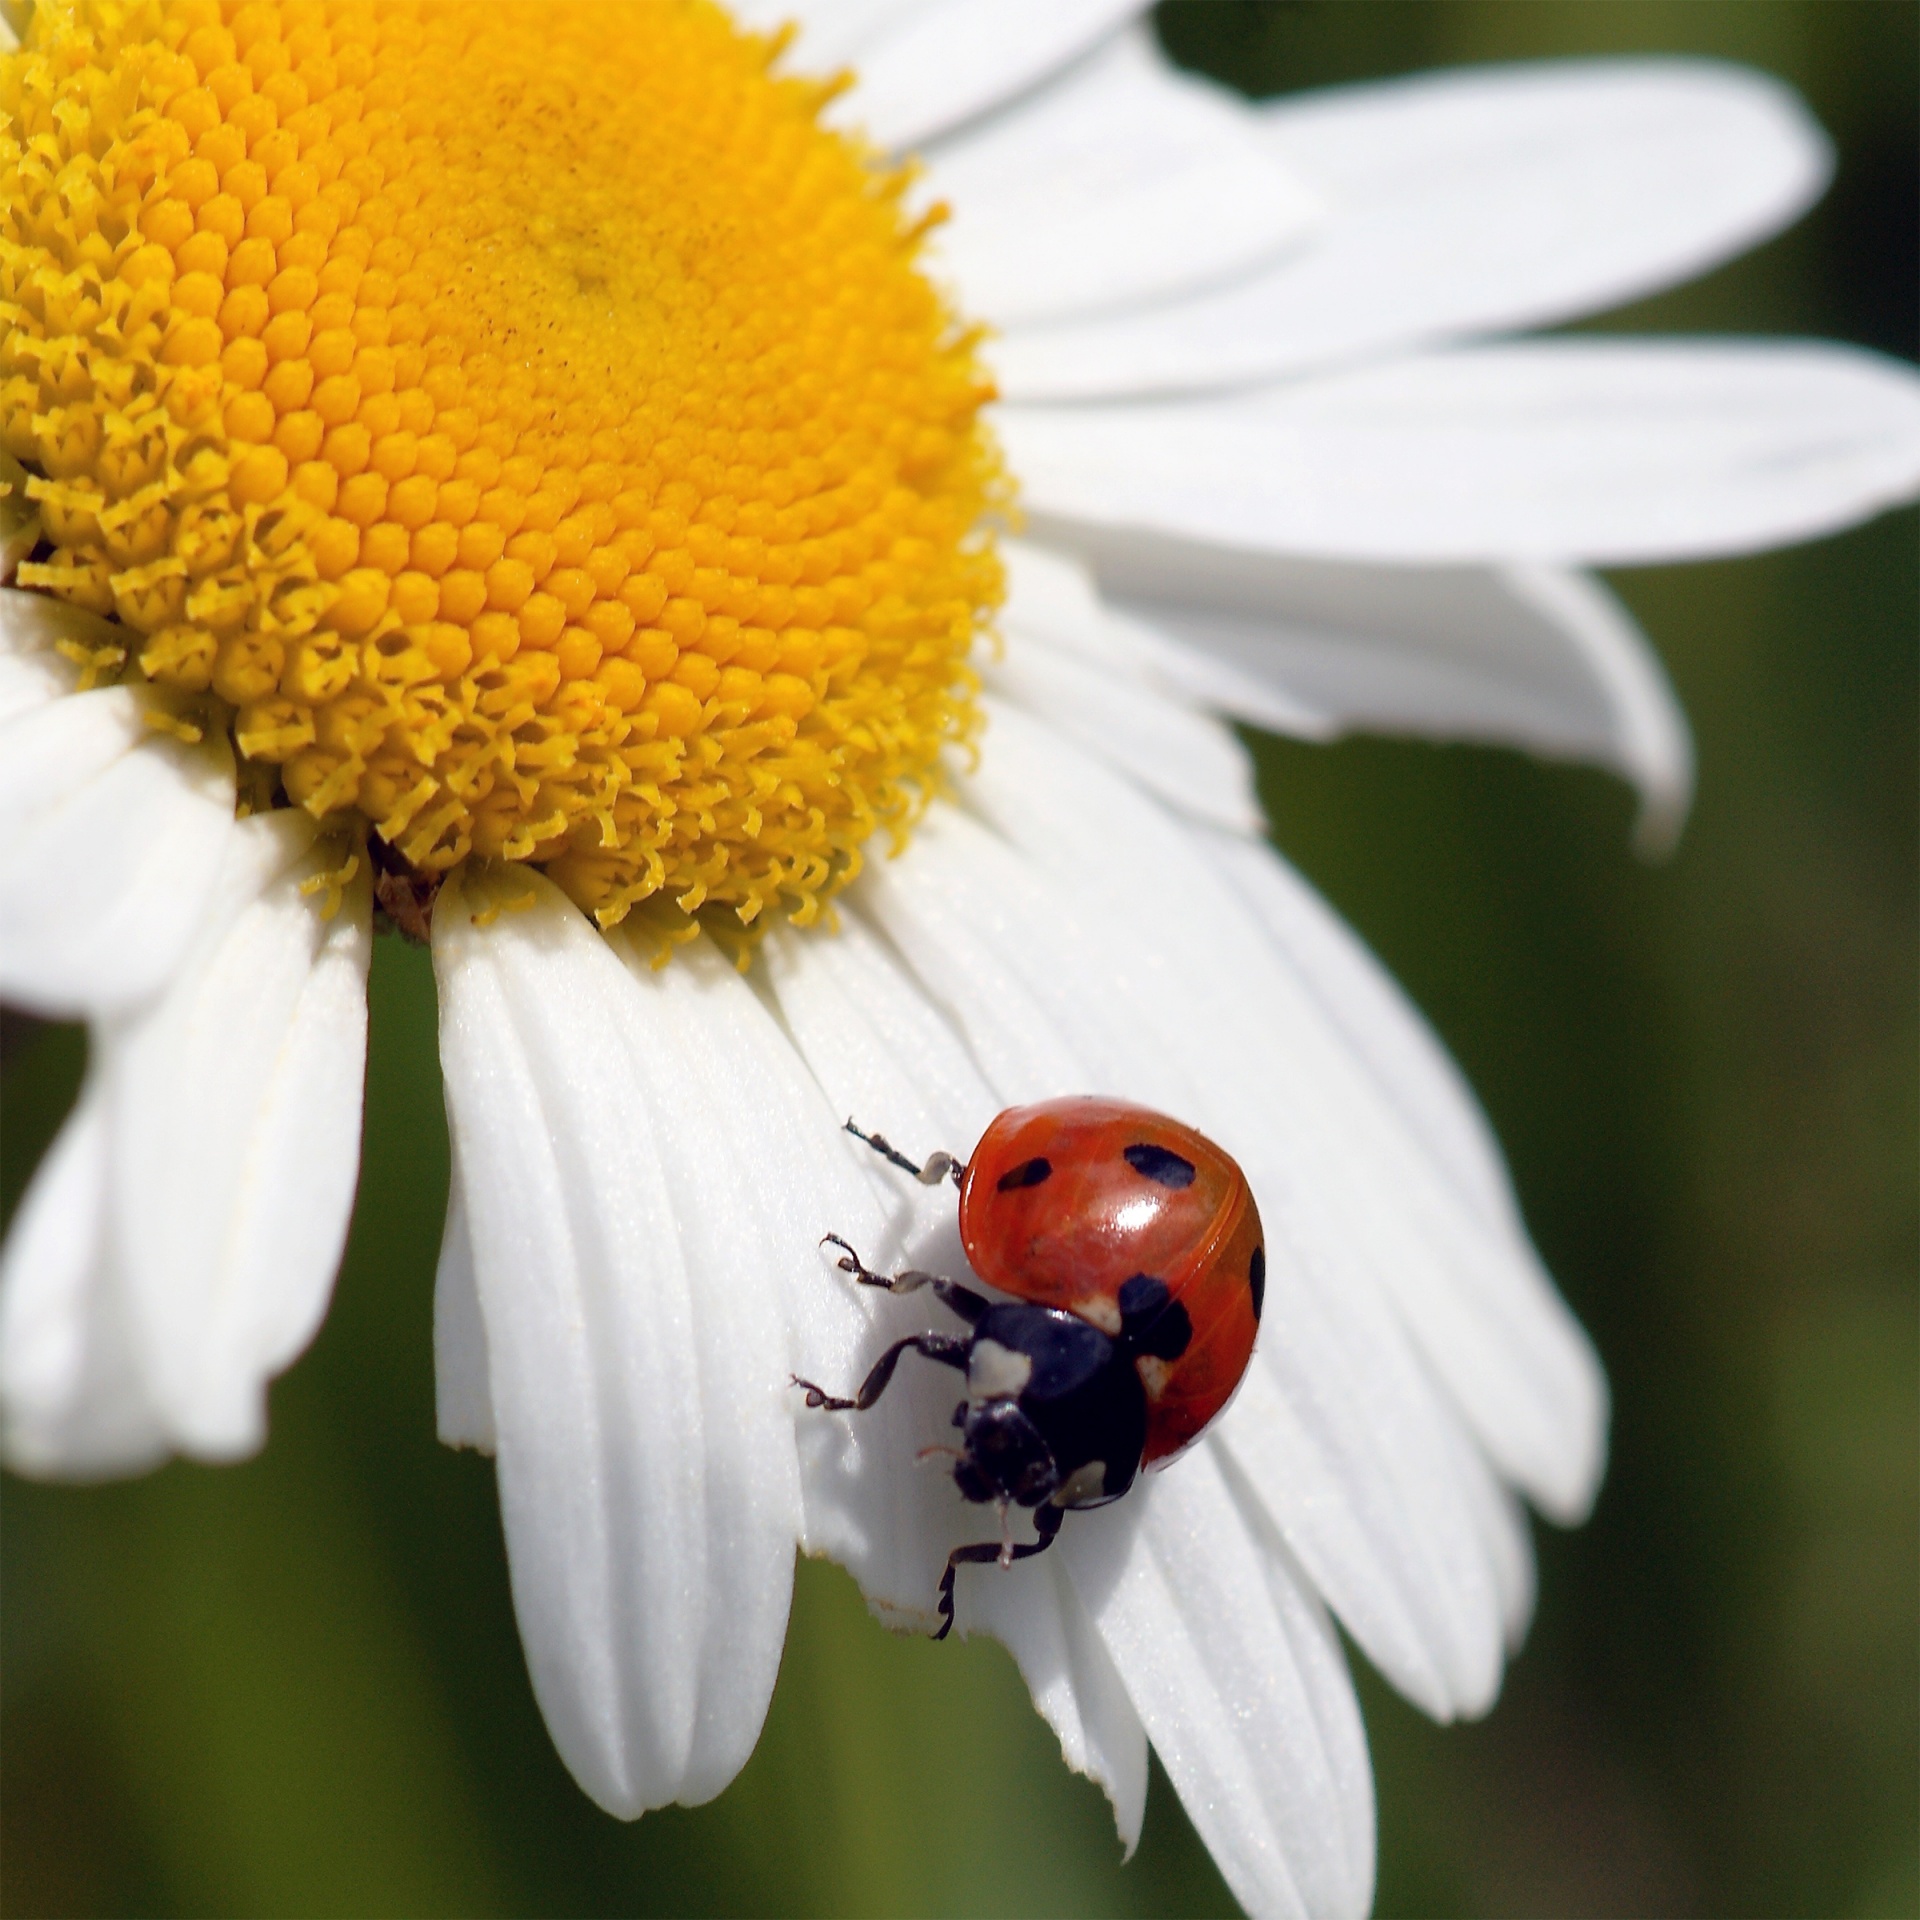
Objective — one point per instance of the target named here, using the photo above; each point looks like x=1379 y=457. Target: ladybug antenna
x=938 y=1167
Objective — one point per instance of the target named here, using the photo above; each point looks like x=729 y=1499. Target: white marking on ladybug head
x=1083 y=1487
x=1153 y=1374
x=1099 y=1311
x=995 y=1372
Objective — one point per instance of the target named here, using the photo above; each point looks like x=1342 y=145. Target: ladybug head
x=1003 y=1454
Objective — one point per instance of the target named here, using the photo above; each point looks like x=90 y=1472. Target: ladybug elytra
x=1132 y=1250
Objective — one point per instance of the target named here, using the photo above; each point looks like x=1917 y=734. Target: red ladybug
x=1132 y=1249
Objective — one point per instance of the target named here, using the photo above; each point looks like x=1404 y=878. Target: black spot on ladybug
x=1169 y=1336
x=1160 y=1164
x=1257 y=1279
x=1029 y=1173
x=1151 y=1322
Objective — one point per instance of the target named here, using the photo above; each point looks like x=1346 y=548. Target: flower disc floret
x=527 y=432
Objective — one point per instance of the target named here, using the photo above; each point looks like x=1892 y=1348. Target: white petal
x=925 y=66
x=31 y=677
x=760 y=1154
x=114 y=836
x=1505 y=1533
x=1034 y=1609
x=235 y=1112
x=1051 y=597
x=72 y=1400
x=831 y=32
x=943 y=62
x=1381 y=1028
x=1176 y=753
x=882 y=1054
x=1534 y=657
x=1238 y=1676
x=1482 y=200
x=633 y=1328
x=1124 y=182
x=1344 y=1444
x=463 y=1399
x=32 y=627
x=1585 y=450
x=37 y=623
x=882 y=1051
x=881 y=1048
x=1104 y=680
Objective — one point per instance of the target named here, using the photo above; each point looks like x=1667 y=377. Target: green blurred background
x=294 y=1687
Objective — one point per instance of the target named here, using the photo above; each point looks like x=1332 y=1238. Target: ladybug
x=1132 y=1250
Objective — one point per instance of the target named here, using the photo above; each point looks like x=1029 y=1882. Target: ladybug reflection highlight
x=1132 y=1250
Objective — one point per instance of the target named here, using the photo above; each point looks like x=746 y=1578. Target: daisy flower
x=536 y=479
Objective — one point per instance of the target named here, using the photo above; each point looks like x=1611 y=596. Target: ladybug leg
x=1046 y=1522
x=947 y=1348
x=938 y=1167
x=961 y=1300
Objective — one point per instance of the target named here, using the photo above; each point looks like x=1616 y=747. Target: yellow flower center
x=525 y=429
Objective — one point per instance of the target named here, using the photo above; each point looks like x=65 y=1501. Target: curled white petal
x=1604 y=452
x=633 y=1334
x=1476 y=201
x=1537 y=657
